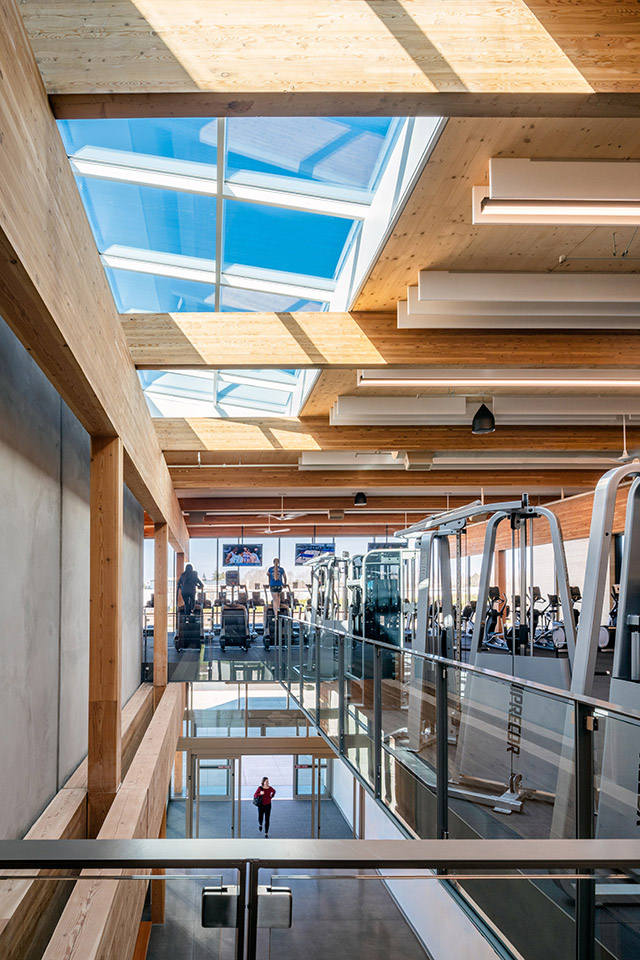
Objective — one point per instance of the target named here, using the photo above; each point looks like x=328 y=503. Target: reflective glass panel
x=235 y=299
x=334 y=150
x=136 y=292
x=124 y=215
x=191 y=138
x=291 y=241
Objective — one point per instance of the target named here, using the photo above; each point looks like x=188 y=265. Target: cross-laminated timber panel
x=211 y=58
x=53 y=290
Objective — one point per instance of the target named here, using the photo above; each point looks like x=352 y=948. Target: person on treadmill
x=277 y=581
x=187 y=585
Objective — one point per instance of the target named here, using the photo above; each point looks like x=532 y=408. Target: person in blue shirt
x=277 y=581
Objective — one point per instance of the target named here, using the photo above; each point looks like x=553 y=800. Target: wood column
x=105 y=628
x=160 y=612
x=158 y=887
x=178 y=780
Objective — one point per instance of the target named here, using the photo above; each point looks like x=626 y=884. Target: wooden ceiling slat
x=282 y=437
x=343 y=342
x=250 y=55
x=201 y=478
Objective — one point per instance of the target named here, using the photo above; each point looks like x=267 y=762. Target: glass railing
x=239 y=900
x=458 y=752
x=199 y=651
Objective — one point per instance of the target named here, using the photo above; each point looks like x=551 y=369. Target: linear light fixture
x=617 y=211
x=559 y=192
x=517 y=300
x=354 y=411
x=508 y=377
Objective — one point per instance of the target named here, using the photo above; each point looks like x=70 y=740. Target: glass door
x=303 y=770
x=210 y=797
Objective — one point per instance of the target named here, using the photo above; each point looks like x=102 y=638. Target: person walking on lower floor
x=265 y=795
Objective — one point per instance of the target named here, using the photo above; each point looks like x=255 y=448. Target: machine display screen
x=309 y=551
x=242 y=554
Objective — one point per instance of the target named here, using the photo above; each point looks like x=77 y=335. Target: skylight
x=244 y=214
x=226 y=393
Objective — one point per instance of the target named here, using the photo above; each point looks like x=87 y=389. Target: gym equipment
x=438 y=626
x=190 y=632
x=234 y=615
x=497 y=610
x=626 y=665
x=234 y=630
x=521 y=660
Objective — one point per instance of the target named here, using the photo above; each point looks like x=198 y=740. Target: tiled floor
x=331 y=917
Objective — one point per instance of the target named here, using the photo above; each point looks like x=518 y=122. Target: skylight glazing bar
x=205 y=271
x=326 y=206
x=220 y=153
x=184 y=176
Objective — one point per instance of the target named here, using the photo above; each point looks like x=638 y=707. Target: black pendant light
x=360 y=500
x=483 y=420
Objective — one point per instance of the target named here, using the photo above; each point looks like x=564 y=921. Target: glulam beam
x=250 y=58
x=357 y=339
x=53 y=290
x=272 y=478
x=185 y=438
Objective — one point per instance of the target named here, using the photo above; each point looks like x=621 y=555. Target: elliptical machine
x=497 y=610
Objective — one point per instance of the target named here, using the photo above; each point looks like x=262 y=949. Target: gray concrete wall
x=44 y=589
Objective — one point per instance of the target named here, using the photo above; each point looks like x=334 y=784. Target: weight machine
x=477 y=706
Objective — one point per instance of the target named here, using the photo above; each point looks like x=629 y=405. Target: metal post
x=300 y=651
x=341 y=693
x=585 y=724
x=313 y=796
x=442 y=753
x=239 y=796
x=377 y=721
x=318 y=675
x=458 y=607
x=232 y=773
x=190 y=786
x=252 y=908
x=241 y=916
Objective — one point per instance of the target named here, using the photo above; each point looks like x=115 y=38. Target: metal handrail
x=145 y=854
x=541 y=688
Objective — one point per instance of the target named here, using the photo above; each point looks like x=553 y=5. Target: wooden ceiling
x=518 y=78
x=211 y=57
x=435 y=231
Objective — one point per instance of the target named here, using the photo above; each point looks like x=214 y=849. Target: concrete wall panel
x=74 y=595
x=44 y=589
x=30 y=414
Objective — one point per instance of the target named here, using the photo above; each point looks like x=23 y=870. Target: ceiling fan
x=282 y=516
x=625 y=456
x=270 y=530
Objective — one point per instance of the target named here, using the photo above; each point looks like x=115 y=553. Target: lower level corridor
x=334 y=914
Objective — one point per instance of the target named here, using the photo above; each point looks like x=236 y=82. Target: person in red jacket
x=266 y=794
